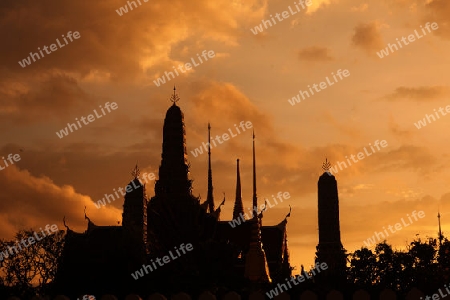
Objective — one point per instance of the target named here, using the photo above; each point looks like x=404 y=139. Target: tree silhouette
x=362 y=268
x=29 y=270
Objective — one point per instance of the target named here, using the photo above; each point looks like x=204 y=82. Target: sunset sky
x=250 y=78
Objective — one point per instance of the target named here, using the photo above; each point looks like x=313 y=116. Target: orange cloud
x=38 y=201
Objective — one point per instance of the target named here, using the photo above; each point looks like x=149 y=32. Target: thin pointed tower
x=238 y=206
x=210 y=197
x=256 y=268
x=255 y=198
x=441 y=237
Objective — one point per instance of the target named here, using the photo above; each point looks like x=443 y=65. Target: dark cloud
x=54 y=97
x=403 y=135
x=315 y=53
x=419 y=94
x=367 y=37
x=439 y=11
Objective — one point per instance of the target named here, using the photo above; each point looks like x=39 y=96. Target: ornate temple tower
x=173 y=212
x=174 y=170
x=330 y=249
x=134 y=216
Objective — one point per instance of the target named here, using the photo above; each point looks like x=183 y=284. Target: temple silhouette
x=101 y=259
x=330 y=249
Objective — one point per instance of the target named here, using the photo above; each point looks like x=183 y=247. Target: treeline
x=424 y=264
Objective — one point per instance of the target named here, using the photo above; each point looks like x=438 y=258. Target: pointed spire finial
x=174 y=98
x=136 y=172
x=326 y=165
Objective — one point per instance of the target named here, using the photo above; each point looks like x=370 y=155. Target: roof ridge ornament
x=64 y=222
x=85 y=216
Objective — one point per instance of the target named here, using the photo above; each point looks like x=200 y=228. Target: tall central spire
x=210 y=197
x=174 y=169
x=255 y=198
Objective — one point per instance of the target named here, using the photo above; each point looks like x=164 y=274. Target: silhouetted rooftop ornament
x=260 y=215
x=85 y=216
x=64 y=222
x=289 y=214
x=136 y=172
x=326 y=165
x=174 y=98
x=216 y=213
x=204 y=205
